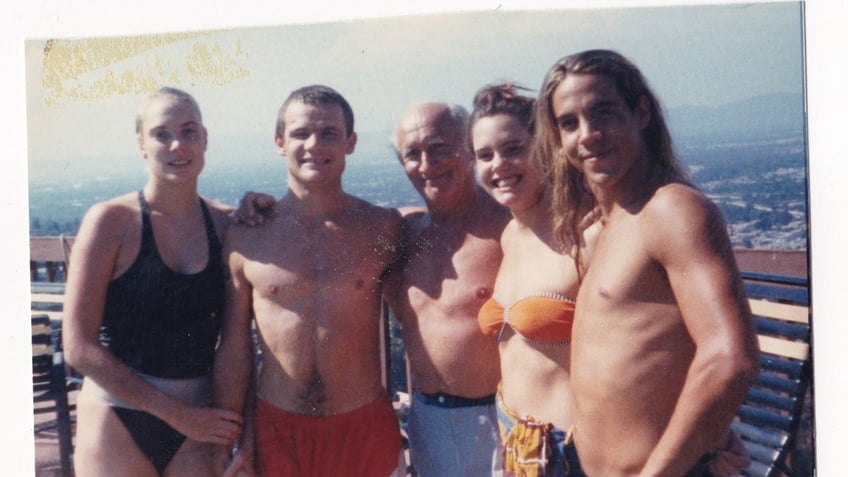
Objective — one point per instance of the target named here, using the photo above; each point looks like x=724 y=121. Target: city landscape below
x=759 y=183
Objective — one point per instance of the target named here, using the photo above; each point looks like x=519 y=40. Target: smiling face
x=502 y=152
x=315 y=142
x=431 y=150
x=600 y=135
x=172 y=138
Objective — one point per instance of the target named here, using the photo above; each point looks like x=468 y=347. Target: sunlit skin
x=599 y=133
x=662 y=292
x=451 y=259
x=314 y=143
x=172 y=141
x=309 y=279
x=434 y=157
x=501 y=149
x=535 y=379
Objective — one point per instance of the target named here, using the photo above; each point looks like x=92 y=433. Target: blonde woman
x=142 y=310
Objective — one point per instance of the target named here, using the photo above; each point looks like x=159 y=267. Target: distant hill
x=749 y=157
x=771 y=113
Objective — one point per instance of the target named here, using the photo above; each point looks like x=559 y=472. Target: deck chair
x=769 y=419
x=49 y=386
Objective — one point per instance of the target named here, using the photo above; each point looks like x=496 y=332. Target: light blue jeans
x=456 y=441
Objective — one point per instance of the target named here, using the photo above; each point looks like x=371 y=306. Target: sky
x=692 y=55
x=82 y=94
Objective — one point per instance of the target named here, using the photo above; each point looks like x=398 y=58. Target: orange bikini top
x=542 y=318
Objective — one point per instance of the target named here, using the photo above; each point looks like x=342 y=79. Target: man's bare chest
x=328 y=260
x=454 y=280
x=623 y=272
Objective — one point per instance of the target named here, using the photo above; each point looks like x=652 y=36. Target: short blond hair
x=166 y=91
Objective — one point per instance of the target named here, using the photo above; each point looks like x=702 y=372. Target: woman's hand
x=730 y=460
x=208 y=424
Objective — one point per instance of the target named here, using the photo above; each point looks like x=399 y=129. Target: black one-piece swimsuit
x=164 y=324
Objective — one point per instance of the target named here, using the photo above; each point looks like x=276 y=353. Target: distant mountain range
x=766 y=114
x=761 y=117
x=749 y=157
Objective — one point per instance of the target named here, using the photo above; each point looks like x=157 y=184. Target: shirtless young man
x=451 y=260
x=664 y=347
x=311 y=278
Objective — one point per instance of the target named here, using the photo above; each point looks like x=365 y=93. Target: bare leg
x=400 y=471
x=104 y=447
x=193 y=459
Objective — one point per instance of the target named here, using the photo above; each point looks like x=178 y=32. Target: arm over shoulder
x=389 y=225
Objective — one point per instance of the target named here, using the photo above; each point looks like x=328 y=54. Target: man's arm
x=393 y=275
x=234 y=358
x=689 y=241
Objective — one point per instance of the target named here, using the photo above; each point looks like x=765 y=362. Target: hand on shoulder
x=253 y=209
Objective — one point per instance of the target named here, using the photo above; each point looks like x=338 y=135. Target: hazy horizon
x=824 y=36
x=83 y=93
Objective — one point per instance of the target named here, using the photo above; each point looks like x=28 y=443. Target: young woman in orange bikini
x=532 y=306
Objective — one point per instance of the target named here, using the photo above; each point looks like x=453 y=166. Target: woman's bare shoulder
x=221 y=215
x=113 y=213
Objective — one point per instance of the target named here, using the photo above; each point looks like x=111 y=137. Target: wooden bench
x=769 y=419
x=53 y=253
x=52 y=379
x=50 y=386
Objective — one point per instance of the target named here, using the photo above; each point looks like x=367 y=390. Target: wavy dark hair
x=503 y=98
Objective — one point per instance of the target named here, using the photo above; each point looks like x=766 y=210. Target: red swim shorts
x=365 y=442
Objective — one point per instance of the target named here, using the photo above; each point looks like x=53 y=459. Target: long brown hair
x=570 y=201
